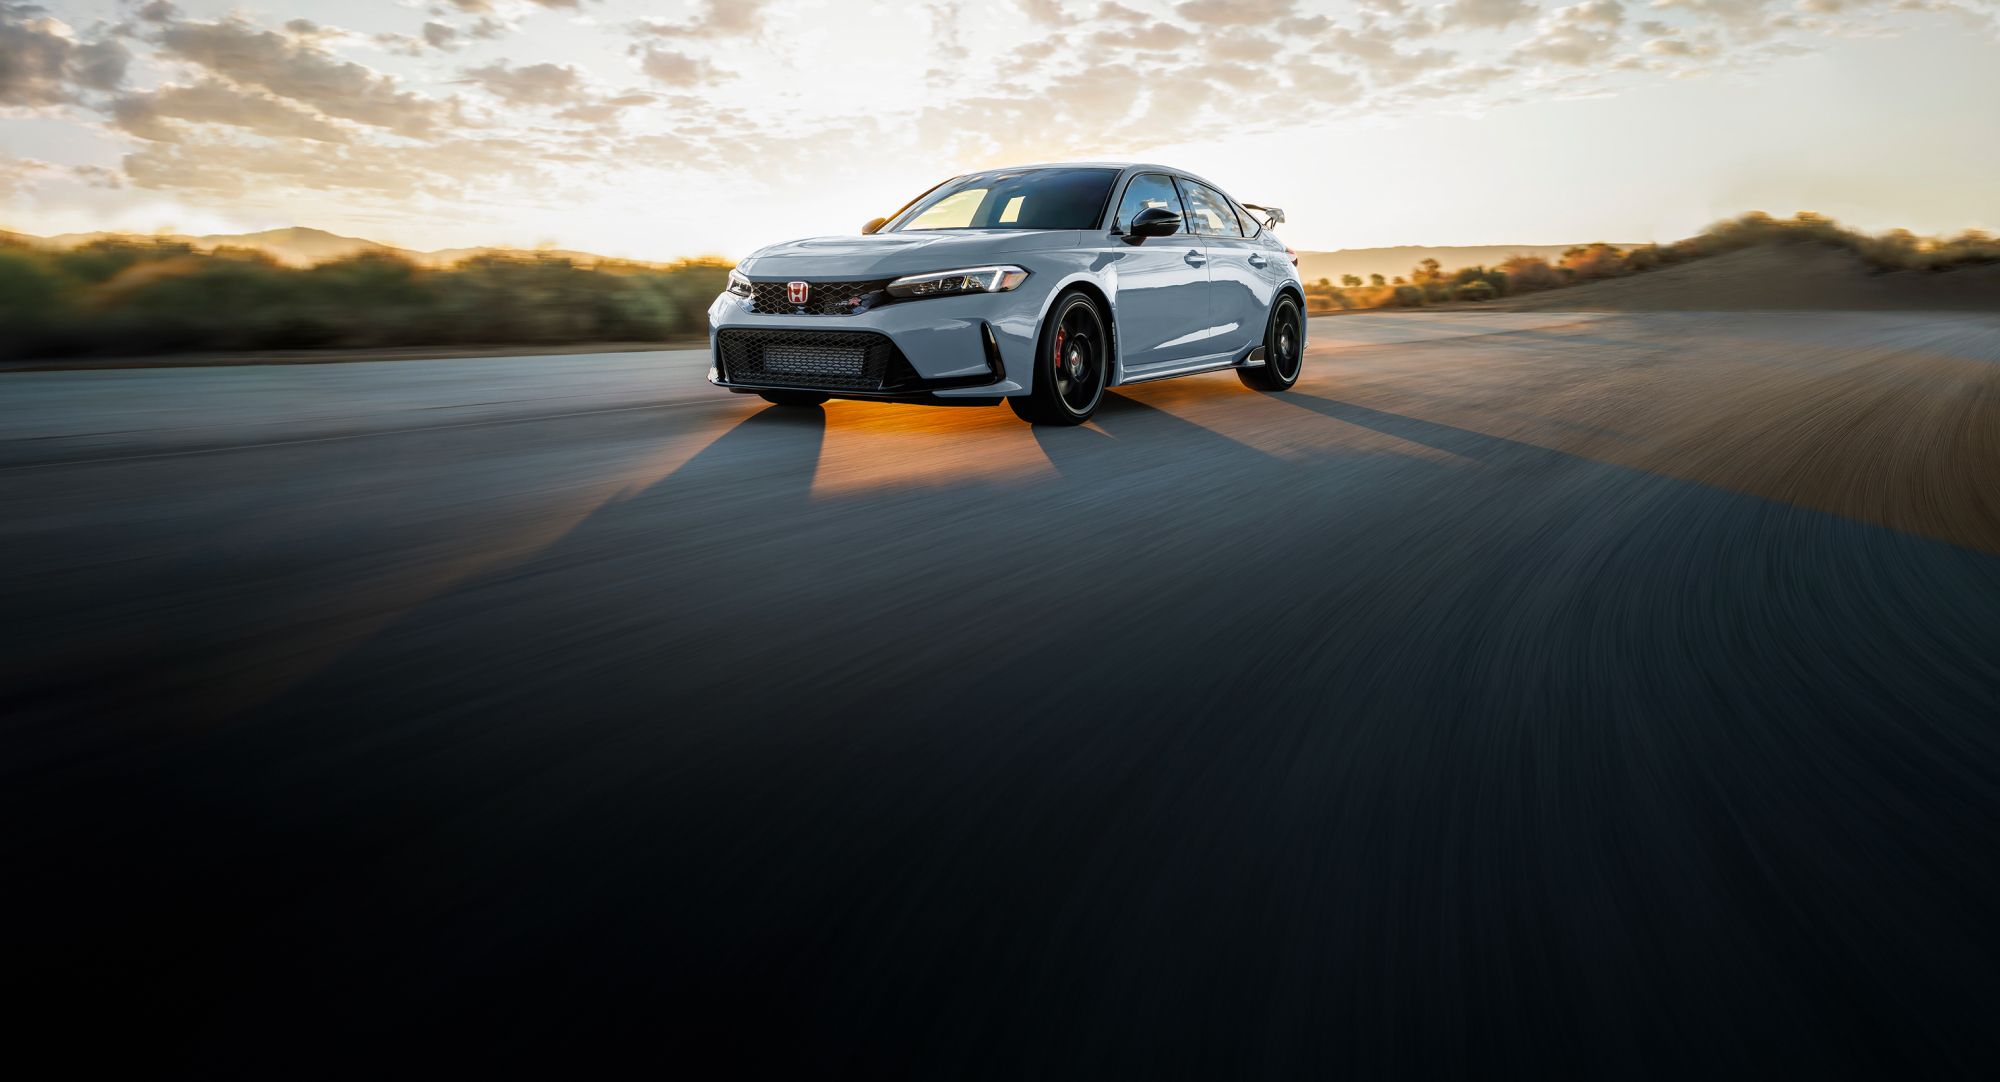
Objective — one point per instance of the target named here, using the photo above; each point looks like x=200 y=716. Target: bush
x=1481 y=290
x=1407 y=297
x=138 y=296
x=1530 y=274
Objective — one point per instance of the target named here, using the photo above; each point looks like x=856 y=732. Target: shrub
x=1480 y=290
x=1594 y=261
x=130 y=296
x=1530 y=274
x=1408 y=297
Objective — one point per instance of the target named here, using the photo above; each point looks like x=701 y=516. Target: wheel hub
x=1075 y=363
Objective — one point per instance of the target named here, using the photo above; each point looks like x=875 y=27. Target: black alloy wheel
x=1284 y=349
x=1074 y=363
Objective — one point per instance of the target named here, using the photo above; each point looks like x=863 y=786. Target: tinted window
x=1209 y=211
x=1148 y=190
x=1251 y=226
x=1020 y=199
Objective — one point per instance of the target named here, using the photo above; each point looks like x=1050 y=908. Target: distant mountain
x=1392 y=262
x=300 y=246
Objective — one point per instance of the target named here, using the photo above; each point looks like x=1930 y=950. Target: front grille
x=822 y=298
x=821 y=360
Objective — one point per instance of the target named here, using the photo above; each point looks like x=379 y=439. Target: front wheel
x=1073 y=360
x=1284 y=349
x=792 y=398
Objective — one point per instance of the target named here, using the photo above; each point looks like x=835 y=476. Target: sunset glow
x=656 y=131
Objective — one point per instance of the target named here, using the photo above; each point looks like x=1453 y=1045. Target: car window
x=1251 y=226
x=1209 y=211
x=1059 y=198
x=1148 y=190
x=954 y=211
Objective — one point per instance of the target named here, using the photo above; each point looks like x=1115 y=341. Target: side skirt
x=1250 y=358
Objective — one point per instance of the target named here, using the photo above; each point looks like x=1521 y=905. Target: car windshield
x=1012 y=199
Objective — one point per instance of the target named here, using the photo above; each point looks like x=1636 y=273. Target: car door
x=1162 y=302
x=1241 y=285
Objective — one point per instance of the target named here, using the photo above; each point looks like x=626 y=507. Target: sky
x=686 y=127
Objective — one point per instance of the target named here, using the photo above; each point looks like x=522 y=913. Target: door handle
x=1196 y=259
x=1256 y=260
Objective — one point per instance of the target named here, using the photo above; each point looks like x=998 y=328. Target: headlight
x=738 y=284
x=969 y=280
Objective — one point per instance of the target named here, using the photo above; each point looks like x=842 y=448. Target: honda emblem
x=795 y=292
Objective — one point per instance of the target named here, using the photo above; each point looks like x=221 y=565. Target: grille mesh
x=824 y=360
x=823 y=299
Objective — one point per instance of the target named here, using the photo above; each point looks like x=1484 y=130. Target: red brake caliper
x=1059 y=344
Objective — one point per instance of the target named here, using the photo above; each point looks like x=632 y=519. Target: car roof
x=1136 y=167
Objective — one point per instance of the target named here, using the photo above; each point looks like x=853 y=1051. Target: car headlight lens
x=951 y=282
x=738 y=284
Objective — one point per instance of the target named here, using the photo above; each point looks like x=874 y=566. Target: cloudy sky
x=676 y=127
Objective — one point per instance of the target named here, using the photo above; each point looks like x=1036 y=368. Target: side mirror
x=1153 y=222
x=873 y=225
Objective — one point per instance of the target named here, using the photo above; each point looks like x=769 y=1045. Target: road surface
x=1525 y=693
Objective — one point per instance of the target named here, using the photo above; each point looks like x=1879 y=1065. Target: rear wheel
x=792 y=398
x=1072 y=362
x=1284 y=349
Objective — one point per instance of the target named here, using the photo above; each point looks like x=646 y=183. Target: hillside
x=301 y=246
x=1391 y=262
x=1778 y=276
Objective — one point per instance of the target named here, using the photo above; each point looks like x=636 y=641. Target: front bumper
x=939 y=349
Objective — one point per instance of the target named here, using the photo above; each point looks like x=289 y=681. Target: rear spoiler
x=1273 y=215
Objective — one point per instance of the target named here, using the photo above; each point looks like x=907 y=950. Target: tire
x=1284 y=349
x=1072 y=363
x=796 y=399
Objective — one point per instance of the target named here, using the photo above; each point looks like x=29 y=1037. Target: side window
x=1148 y=190
x=1209 y=211
x=1251 y=227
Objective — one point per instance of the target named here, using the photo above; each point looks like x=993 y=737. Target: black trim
x=885 y=374
x=992 y=347
x=925 y=396
x=1186 y=225
x=1189 y=217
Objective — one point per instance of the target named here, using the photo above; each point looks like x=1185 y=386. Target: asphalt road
x=1572 y=695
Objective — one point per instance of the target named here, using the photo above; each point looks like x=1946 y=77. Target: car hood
x=885 y=255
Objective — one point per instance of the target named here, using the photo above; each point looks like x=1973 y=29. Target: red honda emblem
x=795 y=292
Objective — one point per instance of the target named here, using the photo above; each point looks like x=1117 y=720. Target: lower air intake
x=817 y=360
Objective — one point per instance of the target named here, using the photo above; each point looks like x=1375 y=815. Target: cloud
x=303 y=72
x=1375 y=50
x=531 y=85
x=1234 y=12
x=1322 y=85
x=1486 y=14
x=1241 y=45
x=42 y=63
x=1048 y=13
x=606 y=110
x=1578 y=35
x=716 y=19
x=1153 y=37
x=676 y=68
x=214 y=102
x=224 y=168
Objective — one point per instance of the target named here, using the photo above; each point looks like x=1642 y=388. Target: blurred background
x=209 y=176
x=409 y=661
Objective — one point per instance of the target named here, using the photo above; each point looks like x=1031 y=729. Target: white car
x=1041 y=285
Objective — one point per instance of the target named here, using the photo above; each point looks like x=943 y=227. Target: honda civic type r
x=1041 y=285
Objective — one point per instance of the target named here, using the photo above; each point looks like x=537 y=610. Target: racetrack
x=1526 y=692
